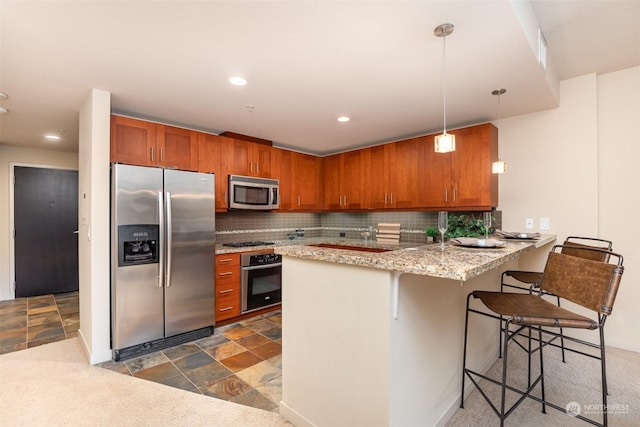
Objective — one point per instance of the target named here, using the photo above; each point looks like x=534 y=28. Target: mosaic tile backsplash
x=238 y=226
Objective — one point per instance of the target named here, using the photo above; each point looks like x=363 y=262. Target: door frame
x=12 y=246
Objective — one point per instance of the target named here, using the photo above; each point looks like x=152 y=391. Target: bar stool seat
x=531 y=310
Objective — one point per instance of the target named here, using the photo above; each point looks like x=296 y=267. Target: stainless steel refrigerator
x=162 y=258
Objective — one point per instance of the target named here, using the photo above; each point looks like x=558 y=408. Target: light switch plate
x=544 y=223
x=528 y=223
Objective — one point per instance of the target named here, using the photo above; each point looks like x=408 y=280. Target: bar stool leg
x=544 y=408
x=604 y=376
x=505 y=352
x=561 y=337
x=464 y=350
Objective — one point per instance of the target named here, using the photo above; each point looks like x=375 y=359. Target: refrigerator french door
x=163 y=248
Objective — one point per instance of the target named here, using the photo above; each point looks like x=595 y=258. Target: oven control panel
x=260 y=259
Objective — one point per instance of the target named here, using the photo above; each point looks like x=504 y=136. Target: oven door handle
x=262 y=267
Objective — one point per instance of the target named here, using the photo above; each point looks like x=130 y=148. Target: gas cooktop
x=245 y=244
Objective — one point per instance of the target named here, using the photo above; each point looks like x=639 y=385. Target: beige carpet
x=578 y=381
x=53 y=385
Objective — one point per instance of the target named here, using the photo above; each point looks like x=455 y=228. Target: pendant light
x=446 y=142
x=499 y=166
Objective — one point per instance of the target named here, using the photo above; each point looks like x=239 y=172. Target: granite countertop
x=455 y=262
x=221 y=249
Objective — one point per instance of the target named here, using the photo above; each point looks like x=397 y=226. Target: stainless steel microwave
x=247 y=192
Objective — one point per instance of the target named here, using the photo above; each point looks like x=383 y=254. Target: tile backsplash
x=237 y=226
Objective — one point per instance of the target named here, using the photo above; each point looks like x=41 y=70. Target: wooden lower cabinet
x=227 y=286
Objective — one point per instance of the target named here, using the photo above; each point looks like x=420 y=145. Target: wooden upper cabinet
x=249 y=159
x=138 y=142
x=332 y=195
x=133 y=141
x=394 y=173
x=463 y=179
x=306 y=179
x=281 y=163
x=176 y=148
x=378 y=166
x=407 y=173
x=212 y=150
x=344 y=180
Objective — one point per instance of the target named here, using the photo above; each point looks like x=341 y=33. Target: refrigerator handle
x=161 y=226
x=168 y=240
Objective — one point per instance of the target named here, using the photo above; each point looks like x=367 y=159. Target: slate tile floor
x=240 y=362
x=33 y=321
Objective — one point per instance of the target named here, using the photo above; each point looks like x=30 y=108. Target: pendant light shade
x=446 y=142
x=499 y=166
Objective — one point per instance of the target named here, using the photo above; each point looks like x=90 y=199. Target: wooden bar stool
x=589 y=283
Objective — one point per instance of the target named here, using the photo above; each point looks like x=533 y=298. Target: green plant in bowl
x=465 y=226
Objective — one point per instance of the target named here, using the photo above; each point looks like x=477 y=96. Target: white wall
x=94 y=223
x=20 y=156
x=578 y=166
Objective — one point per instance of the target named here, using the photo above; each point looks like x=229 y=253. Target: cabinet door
x=282 y=171
x=378 y=167
x=177 y=148
x=211 y=156
x=133 y=141
x=475 y=185
x=352 y=179
x=333 y=197
x=408 y=173
x=249 y=159
x=437 y=190
x=238 y=157
x=306 y=177
x=261 y=161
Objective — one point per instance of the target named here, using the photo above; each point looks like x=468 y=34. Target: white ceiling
x=307 y=62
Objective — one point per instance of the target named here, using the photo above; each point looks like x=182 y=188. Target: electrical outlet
x=528 y=223
x=544 y=223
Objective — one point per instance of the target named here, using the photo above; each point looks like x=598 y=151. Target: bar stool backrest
x=575 y=246
x=587 y=282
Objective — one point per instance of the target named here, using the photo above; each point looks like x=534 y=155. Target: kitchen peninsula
x=383 y=331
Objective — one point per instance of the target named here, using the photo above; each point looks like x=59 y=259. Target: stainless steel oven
x=261 y=280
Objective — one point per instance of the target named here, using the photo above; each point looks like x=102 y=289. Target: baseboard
x=294 y=417
x=93 y=358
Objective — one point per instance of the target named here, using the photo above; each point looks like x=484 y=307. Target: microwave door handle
x=274 y=196
x=161 y=227
x=168 y=240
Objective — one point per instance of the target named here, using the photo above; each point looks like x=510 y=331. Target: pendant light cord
x=444 y=83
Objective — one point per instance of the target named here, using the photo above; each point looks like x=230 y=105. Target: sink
x=350 y=248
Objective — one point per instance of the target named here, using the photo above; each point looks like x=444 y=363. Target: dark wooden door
x=45 y=218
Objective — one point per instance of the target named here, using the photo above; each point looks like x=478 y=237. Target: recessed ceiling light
x=343 y=119
x=3 y=96
x=238 y=81
x=52 y=137
x=3 y=111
